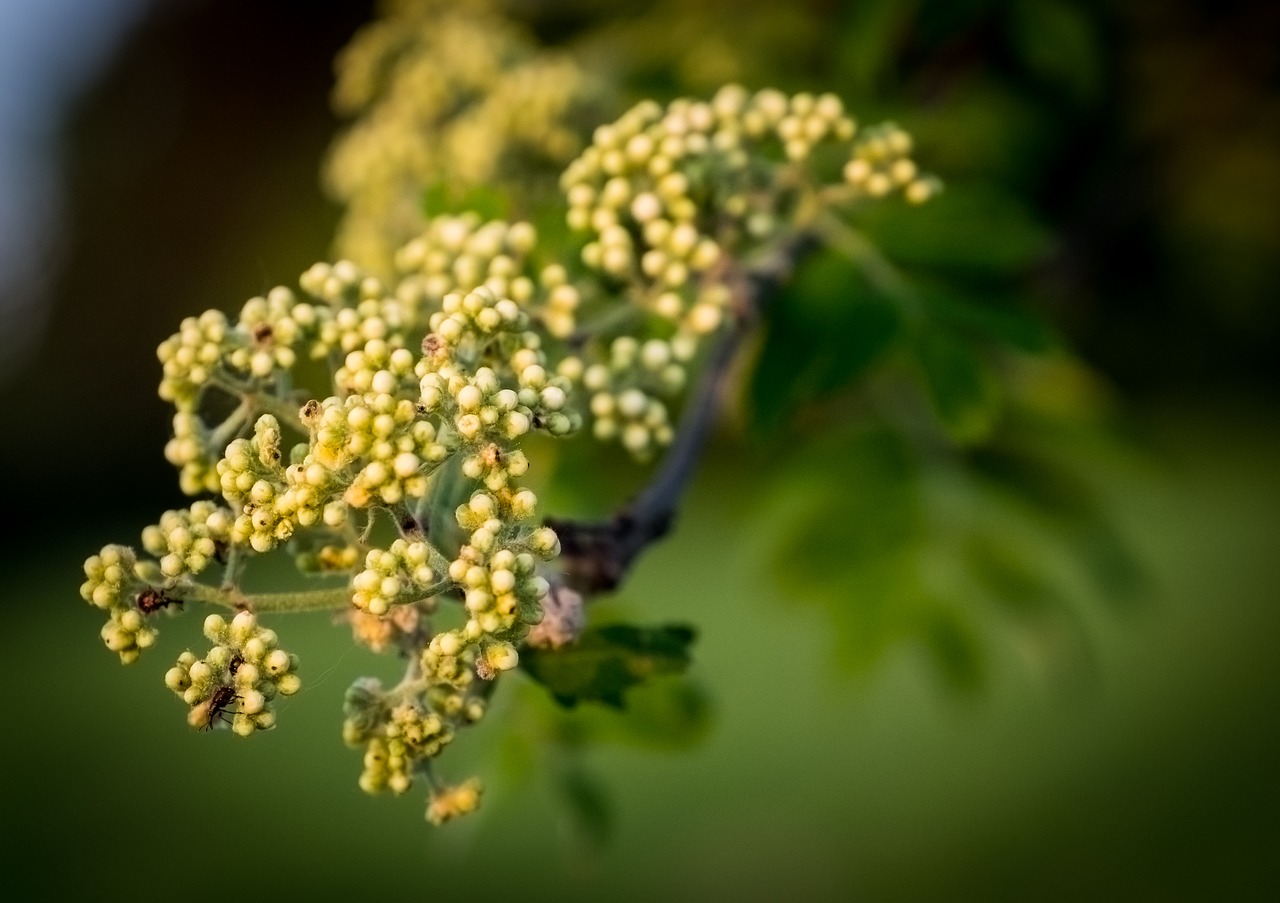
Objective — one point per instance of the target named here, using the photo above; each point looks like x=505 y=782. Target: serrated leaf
x=606 y=661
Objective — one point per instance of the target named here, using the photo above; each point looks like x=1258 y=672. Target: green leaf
x=962 y=391
x=987 y=316
x=871 y=42
x=969 y=228
x=1010 y=576
x=669 y=714
x=1064 y=501
x=955 y=649
x=1034 y=480
x=588 y=803
x=851 y=539
x=1058 y=42
x=826 y=330
x=606 y=661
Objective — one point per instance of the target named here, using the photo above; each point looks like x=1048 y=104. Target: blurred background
x=984 y=577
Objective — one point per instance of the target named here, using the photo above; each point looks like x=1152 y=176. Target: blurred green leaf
x=825 y=331
x=668 y=714
x=860 y=504
x=969 y=228
x=1063 y=498
x=871 y=40
x=1057 y=41
x=661 y=714
x=987 y=316
x=853 y=543
x=1112 y=564
x=1031 y=479
x=588 y=803
x=963 y=393
x=606 y=661
x=954 y=648
x=987 y=126
x=1009 y=575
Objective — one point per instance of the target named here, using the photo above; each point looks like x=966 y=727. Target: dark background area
x=1140 y=140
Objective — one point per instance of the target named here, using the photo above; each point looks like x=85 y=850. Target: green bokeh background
x=1122 y=746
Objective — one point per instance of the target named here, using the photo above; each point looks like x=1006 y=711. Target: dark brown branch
x=595 y=557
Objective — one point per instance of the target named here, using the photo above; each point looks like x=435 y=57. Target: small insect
x=218 y=702
x=150 y=600
x=310 y=413
x=492 y=456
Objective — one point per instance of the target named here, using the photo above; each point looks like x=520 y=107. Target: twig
x=333 y=599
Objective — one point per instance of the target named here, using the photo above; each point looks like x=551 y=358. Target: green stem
x=882 y=274
x=610 y=321
x=231 y=575
x=435 y=589
x=283 y=409
x=221 y=437
x=331 y=599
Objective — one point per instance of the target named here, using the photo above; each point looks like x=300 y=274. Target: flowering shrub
x=371 y=422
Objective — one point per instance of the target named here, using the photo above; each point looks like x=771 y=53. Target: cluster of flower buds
x=327 y=558
x=502 y=591
x=399 y=731
x=113 y=584
x=376 y=369
x=280 y=320
x=191 y=356
x=626 y=391
x=488 y=403
x=446 y=93
x=461 y=253
x=191 y=451
x=668 y=194
x=238 y=677
x=378 y=448
x=395 y=576
x=450 y=802
x=881 y=164
x=401 y=625
x=252 y=478
x=472 y=346
x=186 y=541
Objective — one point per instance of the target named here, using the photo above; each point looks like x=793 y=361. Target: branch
x=596 y=557
x=310 y=600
